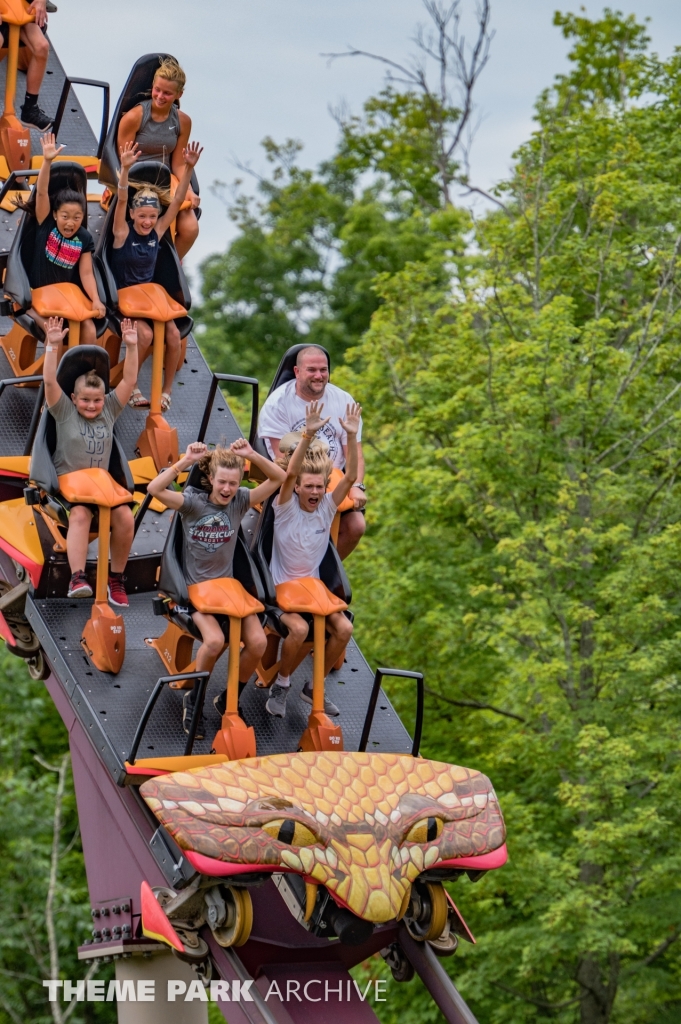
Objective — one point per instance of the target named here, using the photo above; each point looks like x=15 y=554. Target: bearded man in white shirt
x=284 y=411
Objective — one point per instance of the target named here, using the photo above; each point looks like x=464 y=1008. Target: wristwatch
x=361 y=486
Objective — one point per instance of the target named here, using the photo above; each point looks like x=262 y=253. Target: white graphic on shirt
x=211 y=530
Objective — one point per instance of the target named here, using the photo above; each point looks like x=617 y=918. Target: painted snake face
x=363 y=825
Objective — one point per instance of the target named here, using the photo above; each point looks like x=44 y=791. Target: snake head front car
x=363 y=825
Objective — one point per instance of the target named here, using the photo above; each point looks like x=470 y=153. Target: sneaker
x=220 y=702
x=117 y=594
x=188 y=709
x=36 y=117
x=329 y=707
x=276 y=705
x=79 y=586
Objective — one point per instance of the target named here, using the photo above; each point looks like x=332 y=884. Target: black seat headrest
x=79 y=360
x=285 y=369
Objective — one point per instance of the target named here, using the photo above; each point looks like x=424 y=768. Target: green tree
x=43 y=898
x=311 y=243
x=522 y=428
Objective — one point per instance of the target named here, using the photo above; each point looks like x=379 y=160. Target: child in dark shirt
x=135 y=251
x=63 y=248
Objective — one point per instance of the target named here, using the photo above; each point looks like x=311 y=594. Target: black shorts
x=362 y=511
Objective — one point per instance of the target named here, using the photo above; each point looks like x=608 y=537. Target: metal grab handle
x=33 y=426
x=139 y=515
x=68 y=82
x=146 y=714
x=235 y=379
x=11 y=183
x=400 y=673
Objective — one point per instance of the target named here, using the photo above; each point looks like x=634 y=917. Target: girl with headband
x=135 y=250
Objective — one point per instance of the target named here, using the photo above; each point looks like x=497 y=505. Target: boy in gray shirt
x=210 y=523
x=85 y=422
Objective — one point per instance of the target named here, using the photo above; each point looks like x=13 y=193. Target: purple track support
x=433 y=975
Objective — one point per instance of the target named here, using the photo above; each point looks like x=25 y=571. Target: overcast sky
x=254 y=69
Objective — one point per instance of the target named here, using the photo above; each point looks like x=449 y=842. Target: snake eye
x=286 y=830
x=425 y=831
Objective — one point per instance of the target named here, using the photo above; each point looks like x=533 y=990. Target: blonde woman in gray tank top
x=161 y=130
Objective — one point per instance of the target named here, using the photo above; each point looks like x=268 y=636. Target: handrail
x=139 y=515
x=146 y=714
x=235 y=379
x=63 y=99
x=14 y=177
x=35 y=418
x=399 y=673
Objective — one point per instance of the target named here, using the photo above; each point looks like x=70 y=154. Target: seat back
x=285 y=369
x=168 y=272
x=74 y=362
x=331 y=571
x=17 y=283
x=172 y=581
x=136 y=90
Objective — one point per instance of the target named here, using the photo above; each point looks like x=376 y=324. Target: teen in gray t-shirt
x=81 y=443
x=210 y=533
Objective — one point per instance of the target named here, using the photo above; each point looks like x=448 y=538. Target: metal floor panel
x=117 y=702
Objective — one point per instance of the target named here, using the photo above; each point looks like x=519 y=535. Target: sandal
x=137 y=400
x=165 y=401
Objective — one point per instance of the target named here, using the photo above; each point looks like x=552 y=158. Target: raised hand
x=192 y=153
x=242 y=448
x=195 y=451
x=353 y=418
x=50 y=147
x=129 y=153
x=313 y=417
x=54 y=334
x=129 y=331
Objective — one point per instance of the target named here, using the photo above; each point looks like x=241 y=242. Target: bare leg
x=122 y=524
x=340 y=630
x=172 y=355
x=213 y=641
x=88 y=333
x=352 y=527
x=298 y=630
x=40 y=51
x=78 y=537
x=255 y=642
x=186 y=232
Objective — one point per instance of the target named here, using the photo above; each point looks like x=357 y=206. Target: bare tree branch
x=475 y=704
x=458 y=67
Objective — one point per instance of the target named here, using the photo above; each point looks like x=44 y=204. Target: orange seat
x=93 y=487
x=308 y=595
x=335 y=478
x=150 y=301
x=15 y=12
x=223 y=597
x=66 y=300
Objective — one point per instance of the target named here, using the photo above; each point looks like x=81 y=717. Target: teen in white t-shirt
x=303 y=513
x=284 y=411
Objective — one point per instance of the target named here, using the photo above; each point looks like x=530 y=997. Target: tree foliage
x=311 y=243
x=33 y=740
x=522 y=426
